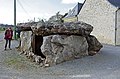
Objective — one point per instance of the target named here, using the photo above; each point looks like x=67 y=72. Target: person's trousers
x=8 y=41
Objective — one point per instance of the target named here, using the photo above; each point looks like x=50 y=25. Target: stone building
x=104 y=15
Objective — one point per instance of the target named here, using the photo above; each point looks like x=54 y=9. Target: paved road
x=1 y=36
x=104 y=65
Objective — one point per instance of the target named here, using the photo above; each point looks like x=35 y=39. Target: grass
x=20 y=63
x=1 y=31
x=16 y=63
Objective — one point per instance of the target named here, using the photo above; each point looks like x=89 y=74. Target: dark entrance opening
x=36 y=43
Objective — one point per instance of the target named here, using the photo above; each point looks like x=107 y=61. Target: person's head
x=9 y=28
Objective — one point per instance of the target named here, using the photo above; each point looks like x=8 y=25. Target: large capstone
x=70 y=28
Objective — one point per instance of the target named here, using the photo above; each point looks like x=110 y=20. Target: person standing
x=8 y=37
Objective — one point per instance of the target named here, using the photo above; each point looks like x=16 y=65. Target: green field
x=2 y=29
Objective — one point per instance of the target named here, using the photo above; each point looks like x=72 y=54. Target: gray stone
x=70 y=28
x=25 y=41
x=94 y=45
x=60 y=48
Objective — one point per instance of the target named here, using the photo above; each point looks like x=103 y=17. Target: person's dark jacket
x=8 y=34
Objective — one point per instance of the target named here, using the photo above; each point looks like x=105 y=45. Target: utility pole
x=14 y=19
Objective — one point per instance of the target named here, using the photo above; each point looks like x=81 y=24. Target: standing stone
x=94 y=45
x=25 y=38
x=60 y=48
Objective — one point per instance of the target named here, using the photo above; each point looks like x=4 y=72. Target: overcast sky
x=28 y=9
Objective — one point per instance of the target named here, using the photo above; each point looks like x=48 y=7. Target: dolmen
x=50 y=43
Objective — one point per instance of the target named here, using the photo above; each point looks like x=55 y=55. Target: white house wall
x=118 y=27
x=100 y=14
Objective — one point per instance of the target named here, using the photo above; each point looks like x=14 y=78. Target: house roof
x=75 y=11
x=116 y=3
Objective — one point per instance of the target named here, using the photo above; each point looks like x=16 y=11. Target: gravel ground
x=104 y=65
